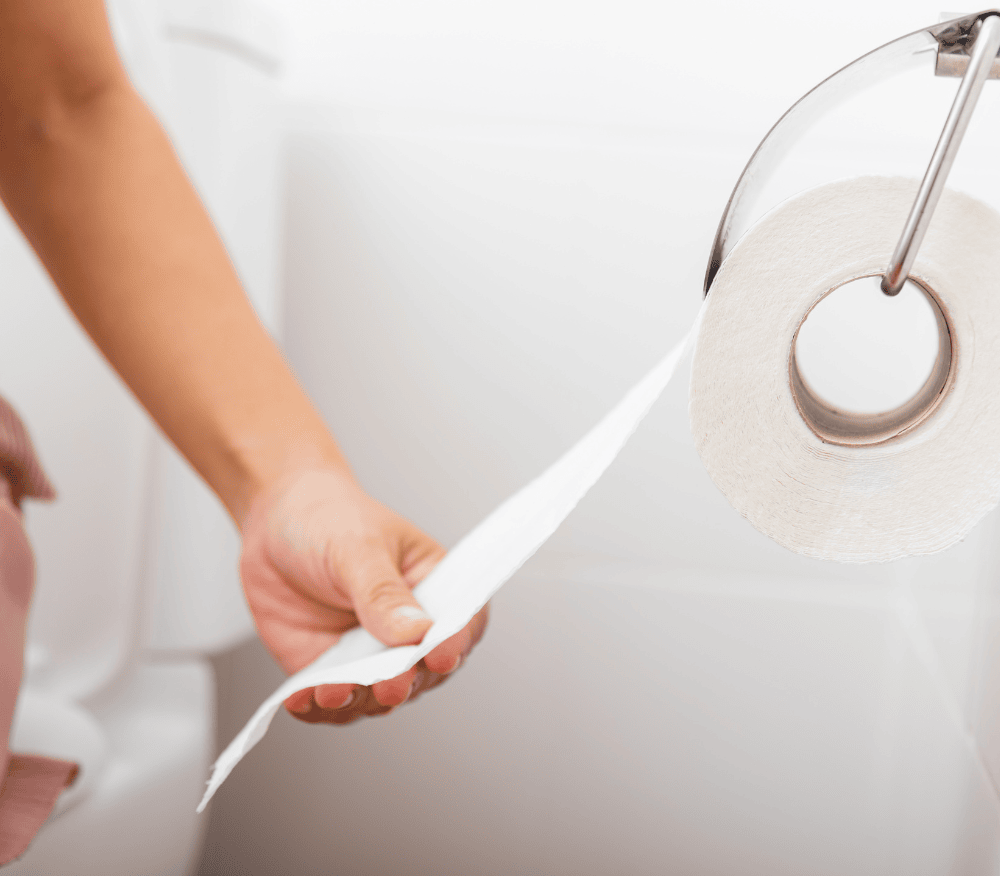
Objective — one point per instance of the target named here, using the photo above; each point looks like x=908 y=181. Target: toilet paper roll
x=817 y=481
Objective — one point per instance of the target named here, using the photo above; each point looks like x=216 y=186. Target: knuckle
x=383 y=594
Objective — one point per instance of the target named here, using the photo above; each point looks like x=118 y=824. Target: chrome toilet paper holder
x=966 y=47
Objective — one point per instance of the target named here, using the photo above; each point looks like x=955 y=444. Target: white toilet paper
x=917 y=492
x=465 y=580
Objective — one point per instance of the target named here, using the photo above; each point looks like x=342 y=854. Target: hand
x=319 y=557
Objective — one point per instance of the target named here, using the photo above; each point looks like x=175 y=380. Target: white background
x=498 y=216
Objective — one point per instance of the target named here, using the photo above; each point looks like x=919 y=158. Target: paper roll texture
x=916 y=493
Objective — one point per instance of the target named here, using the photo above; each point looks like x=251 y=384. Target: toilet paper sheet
x=814 y=497
x=465 y=580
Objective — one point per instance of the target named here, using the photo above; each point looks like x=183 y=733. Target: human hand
x=321 y=556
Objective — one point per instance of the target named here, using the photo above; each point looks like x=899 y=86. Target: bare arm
x=91 y=179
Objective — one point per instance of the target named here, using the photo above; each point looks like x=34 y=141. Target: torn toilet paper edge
x=477 y=567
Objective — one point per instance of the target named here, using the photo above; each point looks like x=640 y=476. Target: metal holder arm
x=978 y=68
x=950 y=41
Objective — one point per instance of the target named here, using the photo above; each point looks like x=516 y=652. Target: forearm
x=98 y=192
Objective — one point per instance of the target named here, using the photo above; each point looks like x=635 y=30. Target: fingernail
x=411 y=613
x=348 y=701
x=455 y=665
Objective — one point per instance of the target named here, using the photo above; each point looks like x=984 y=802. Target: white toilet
x=137 y=563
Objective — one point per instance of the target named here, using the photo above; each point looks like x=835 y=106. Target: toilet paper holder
x=966 y=47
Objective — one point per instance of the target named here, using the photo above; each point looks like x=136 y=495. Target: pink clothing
x=18 y=463
x=31 y=787
x=31 y=784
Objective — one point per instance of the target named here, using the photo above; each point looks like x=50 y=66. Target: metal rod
x=983 y=54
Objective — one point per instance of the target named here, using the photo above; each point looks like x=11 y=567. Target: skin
x=15 y=600
x=91 y=179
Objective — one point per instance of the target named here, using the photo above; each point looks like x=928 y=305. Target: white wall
x=498 y=216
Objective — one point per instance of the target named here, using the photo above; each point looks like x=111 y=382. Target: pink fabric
x=18 y=463
x=30 y=790
x=30 y=784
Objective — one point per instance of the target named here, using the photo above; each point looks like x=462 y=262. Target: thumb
x=383 y=601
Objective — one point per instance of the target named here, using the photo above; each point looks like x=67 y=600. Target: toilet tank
x=224 y=58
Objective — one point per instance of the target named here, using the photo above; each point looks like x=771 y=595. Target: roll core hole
x=865 y=368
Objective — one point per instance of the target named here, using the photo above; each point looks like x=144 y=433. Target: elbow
x=42 y=127
x=61 y=81
x=52 y=111
x=58 y=62
x=48 y=150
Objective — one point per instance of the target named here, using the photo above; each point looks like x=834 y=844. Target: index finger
x=448 y=656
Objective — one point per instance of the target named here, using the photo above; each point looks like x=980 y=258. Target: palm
x=321 y=557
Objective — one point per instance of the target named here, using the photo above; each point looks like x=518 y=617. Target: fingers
x=395 y=691
x=303 y=705
x=382 y=600
x=344 y=703
x=449 y=655
x=300 y=702
x=334 y=696
x=314 y=714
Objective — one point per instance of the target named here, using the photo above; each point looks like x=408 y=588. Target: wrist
x=263 y=461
